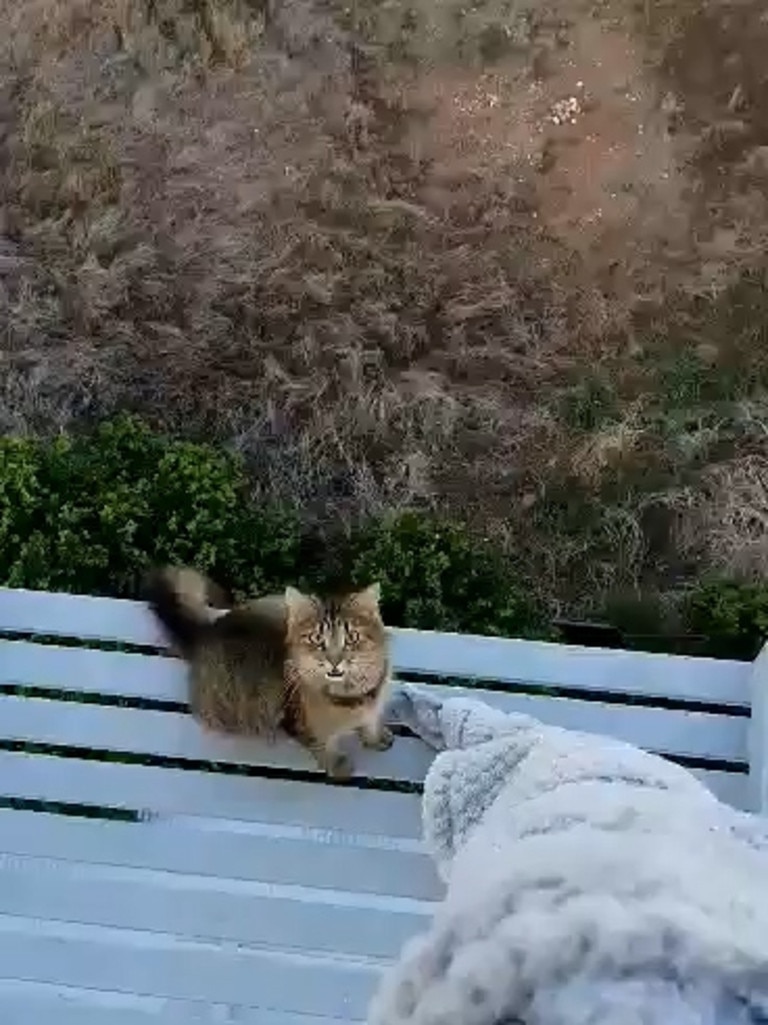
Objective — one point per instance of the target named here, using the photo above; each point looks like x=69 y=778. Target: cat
x=317 y=667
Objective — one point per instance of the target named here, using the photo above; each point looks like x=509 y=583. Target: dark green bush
x=434 y=572
x=732 y=617
x=90 y=513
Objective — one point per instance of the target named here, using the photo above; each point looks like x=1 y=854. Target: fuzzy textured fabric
x=588 y=883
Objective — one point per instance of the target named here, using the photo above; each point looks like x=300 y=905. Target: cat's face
x=336 y=646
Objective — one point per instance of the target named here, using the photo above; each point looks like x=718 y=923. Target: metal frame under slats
x=153 y=872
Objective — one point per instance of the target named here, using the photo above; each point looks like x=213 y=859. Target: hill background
x=499 y=260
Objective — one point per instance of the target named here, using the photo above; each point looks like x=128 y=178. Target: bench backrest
x=707 y=714
x=223 y=876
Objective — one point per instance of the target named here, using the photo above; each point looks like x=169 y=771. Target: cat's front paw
x=339 y=766
x=382 y=740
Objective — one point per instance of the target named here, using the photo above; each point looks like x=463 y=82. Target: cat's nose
x=334 y=673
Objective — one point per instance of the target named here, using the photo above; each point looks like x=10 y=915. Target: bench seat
x=152 y=872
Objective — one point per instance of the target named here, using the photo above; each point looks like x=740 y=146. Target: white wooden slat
x=178 y=735
x=716 y=681
x=22 y=1004
x=692 y=734
x=160 y=965
x=758 y=735
x=669 y=731
x=288 y=856
x=382 y=820
x=164 y=791
x=90 y=671
x=78 y=615
x=662 y=730
x=297 y=917
x=34 y=1003
x=728 y=787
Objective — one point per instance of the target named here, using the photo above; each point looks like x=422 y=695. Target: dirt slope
x=490 y=257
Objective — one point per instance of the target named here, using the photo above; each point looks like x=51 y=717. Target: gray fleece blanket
x=588 y=883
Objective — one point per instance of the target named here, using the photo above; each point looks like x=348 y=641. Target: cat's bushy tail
x=179 y=597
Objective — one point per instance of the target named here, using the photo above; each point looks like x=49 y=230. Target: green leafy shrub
x=437 y=573
x=90 y=513
x=731 y=616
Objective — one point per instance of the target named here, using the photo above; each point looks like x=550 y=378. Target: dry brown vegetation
x=503 y=258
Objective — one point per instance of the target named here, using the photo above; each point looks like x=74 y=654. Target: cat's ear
x=368 y=599
x=297 y=605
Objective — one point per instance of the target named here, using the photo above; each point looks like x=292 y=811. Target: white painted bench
x=154 y=874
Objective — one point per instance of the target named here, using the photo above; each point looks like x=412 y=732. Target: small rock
x=728 y=128
x=722 y=134
x=757 y=161
x=707 y=352
x=671 y=105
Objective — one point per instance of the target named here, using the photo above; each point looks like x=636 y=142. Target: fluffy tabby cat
x=315 y=666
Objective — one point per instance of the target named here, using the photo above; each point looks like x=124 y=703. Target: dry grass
x=361 y=243
x=726 y=521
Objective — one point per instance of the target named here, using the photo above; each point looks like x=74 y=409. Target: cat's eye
x=353 y=636
x=315 y=639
